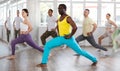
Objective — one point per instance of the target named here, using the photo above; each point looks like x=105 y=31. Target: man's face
x=49 y=12
x=86 y=13
x=61 y=10
x=18 y=12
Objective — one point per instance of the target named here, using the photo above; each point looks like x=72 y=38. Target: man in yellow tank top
x=66 y=29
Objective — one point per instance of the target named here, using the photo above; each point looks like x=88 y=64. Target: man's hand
x=111 y=31
x=53 y=30
x=14 y=28
x=25 y=32
x=67 y=36
x=89 y=33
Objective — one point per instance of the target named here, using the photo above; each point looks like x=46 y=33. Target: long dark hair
x=108 y=14
x=26 y=10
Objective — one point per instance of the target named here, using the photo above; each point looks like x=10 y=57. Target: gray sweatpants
x=91 y=40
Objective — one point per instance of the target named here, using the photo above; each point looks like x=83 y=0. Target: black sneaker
x=104 y=49
x=41 y=65
x=94 y=64
x=76 y=54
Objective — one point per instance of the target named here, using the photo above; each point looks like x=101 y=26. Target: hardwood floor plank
x=62 y=60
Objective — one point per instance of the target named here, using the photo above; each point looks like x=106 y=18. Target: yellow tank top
x=64 y=27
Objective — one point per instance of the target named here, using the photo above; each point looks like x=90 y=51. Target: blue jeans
x=71 y=42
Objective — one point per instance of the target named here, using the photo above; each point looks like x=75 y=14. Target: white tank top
x=23 y=27
x=107 y=24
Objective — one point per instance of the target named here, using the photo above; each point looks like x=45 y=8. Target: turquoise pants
x=71 y=42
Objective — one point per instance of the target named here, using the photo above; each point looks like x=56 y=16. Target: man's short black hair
x=51 y=10
x=108 y=14
x=63 y=5
x=87 y=10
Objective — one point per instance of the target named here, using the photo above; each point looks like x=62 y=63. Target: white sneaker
x=64 y=47
x=105 y=53
x=98 y=51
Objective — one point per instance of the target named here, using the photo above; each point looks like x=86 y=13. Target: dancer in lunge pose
x=108 y=29
x=25 y=29
x=89 y=26
x=16 y=24
x=66 y=29
x=51 y=20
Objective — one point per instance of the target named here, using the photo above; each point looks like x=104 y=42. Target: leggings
x=24 y=38
x=71 y=42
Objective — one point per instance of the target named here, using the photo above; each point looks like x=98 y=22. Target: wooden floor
x=62 y=60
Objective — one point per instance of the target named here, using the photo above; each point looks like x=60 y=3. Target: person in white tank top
x=108 y=28
x=25 y=29
x=16 y=24
x=108 y=32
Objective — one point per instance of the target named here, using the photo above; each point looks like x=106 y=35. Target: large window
x=107 y=8
x=13 y=12
x=93 y=10
x=77 y=12
x=118 y=14
x=98 y=9
x=44 y=7
x=12 y=7
x=2 y=15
